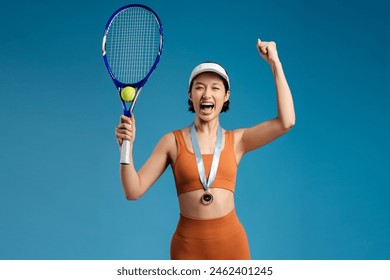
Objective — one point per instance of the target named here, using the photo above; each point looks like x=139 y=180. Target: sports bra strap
x=181 y=144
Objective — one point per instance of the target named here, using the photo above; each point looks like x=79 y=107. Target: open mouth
x=206 y=106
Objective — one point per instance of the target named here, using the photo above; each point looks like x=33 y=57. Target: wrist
x=275 y=65
x=275 y=62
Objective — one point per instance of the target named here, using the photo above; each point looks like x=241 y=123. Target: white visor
x=209 y=67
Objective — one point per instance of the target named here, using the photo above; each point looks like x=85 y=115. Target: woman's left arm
x=254 y=137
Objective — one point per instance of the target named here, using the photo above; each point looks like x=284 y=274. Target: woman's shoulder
x=171 y=142
x=180 y=132
x=170 y=138
x=237 y=133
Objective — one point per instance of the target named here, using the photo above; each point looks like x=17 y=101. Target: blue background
x=319 y=192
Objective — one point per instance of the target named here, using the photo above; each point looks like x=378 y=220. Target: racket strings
x=132 y=44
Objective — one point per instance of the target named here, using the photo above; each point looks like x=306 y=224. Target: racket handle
x=125 y=152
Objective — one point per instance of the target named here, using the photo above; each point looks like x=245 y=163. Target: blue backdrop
x=319 y=192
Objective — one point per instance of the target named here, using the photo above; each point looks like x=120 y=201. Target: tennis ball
x=128 y=94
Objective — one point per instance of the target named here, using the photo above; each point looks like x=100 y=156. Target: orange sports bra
x=185 y=170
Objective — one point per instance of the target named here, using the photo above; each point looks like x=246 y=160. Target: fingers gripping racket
x=132 y=46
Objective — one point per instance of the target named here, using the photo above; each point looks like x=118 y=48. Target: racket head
x=132 y=46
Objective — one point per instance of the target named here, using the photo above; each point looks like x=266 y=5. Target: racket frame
x=125 y=149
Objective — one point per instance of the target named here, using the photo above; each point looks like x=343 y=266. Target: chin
x=207 y=118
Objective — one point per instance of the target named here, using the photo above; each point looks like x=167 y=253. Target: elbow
x=132 y=196
x=286 y=123
x=289 y=125
x=286 y=126
x=289 y=122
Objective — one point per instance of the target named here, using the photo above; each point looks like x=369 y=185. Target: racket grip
x=125 y=152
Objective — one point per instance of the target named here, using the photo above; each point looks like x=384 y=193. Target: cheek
x=225 y=98
x=220 y=102
x=195 y=95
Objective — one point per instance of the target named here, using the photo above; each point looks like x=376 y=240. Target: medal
x=207 y=198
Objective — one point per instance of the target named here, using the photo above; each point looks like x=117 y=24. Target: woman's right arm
x=134 y=183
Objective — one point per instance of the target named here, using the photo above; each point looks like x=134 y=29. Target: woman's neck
x=207 y=127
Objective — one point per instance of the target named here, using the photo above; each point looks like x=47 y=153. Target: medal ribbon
x=199 y=160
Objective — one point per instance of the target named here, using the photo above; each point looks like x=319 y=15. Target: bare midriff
x=192 y=207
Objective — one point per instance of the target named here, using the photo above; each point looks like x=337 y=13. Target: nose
x=206 y=94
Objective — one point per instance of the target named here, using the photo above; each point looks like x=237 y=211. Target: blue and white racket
x=132 y=46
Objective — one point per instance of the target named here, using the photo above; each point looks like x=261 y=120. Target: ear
x=227 y=95
x=190 y=95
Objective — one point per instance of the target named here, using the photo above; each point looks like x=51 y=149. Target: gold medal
x=207 y=198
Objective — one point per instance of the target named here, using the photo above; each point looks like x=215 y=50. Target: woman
x=204 y=159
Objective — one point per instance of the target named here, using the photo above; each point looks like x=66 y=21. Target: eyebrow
x=214 y=83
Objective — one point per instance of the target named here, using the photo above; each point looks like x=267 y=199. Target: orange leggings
x=216 y=239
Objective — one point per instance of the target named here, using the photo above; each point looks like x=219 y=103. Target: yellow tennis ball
x=128 y=94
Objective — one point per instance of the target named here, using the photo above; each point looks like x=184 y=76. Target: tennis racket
x=132 y=46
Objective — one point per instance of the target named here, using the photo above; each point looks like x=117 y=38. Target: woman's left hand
x=267 y=51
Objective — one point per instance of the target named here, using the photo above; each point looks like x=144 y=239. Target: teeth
x=207 y=104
